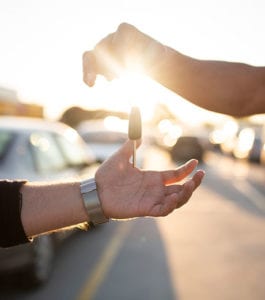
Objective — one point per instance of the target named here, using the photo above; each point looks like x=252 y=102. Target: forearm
x=231 y=88
x=47 y=207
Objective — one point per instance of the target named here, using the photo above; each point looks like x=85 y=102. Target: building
x=11 y=105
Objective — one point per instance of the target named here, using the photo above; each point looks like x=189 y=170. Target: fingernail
x=190 y=161
x=202 y=172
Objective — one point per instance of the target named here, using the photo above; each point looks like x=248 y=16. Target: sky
x=42 y=41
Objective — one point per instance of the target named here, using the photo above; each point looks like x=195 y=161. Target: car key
x=135 y=129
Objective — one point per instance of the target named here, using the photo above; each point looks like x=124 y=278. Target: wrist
x=154 y=55
x=88 y=189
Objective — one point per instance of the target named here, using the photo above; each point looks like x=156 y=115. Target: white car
x=104 y=140
x=37 y=150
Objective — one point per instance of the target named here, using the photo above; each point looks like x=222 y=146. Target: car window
x=5 y=140
x=47 y=155
x=72 y=148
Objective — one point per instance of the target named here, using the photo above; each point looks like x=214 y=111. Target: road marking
x=104 y=264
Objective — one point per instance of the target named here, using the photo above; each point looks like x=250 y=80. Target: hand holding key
x=128 y=192
x=135 y=129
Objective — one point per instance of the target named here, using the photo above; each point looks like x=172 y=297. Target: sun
x=134 y=89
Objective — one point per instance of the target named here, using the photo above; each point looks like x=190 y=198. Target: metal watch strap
x=90 y=197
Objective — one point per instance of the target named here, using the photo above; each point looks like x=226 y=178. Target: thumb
x=126 y=149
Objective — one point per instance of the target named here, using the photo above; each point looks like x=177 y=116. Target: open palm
x=127 y=192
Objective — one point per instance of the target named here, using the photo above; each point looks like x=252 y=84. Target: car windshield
x=5 y=140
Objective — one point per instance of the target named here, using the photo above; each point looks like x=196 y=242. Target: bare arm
x=225 y=87
x=48 y=207
x=124 y=192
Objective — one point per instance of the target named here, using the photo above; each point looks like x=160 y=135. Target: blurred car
x=226 y=136
x=104 y=139
x=104 y=143
x=257 y=152
x=262 y=154
x=36 y=150
x=241 y=139
x=186 y=148
x=249 y=143
x=182 y=141
x=254 y=154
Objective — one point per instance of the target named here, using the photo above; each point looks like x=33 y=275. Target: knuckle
x=125 y=28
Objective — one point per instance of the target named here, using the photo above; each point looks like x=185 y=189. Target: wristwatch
x=89 y=194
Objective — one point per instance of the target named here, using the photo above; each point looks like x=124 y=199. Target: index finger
x=172 y=176
x=89 y=68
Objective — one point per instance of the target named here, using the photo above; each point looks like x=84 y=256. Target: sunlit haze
x=42 y=44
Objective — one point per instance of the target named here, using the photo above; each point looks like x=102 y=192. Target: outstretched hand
x=128 y=192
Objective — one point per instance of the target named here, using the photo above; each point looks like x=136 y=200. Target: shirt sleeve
x=11 y=228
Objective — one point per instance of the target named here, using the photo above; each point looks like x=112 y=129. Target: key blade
x=135 y=124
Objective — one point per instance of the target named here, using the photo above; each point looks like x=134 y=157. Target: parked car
x=262 y=154
x=186 y=148
x=183 y=142
x=103 y=143
x=35 y=150
x=104 y=140
x=249 y=143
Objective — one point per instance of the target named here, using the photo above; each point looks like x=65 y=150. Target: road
x=213 y=248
